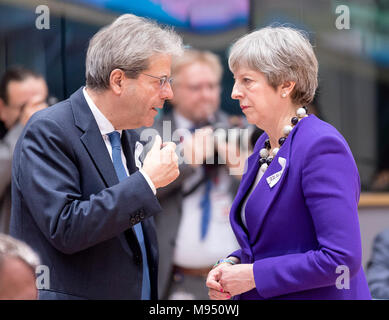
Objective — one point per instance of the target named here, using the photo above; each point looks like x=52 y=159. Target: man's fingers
x=170 y=145
x=157 y=143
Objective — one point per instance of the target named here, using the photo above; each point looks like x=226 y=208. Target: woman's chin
x=250 y=120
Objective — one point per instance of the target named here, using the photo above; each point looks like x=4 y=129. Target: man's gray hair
x=127 y=43
x=281 y=54
x=11 y=247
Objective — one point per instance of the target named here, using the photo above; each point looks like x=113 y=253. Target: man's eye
x=246 y=80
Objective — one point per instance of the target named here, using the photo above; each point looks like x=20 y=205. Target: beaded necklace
x=266 y=156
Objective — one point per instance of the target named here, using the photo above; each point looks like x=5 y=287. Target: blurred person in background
x=295 y=214
x=378 y=267
x=194 y=229
x=22 y=93
x=18 y=263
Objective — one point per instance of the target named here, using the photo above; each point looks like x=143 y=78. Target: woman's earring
x=283 y=95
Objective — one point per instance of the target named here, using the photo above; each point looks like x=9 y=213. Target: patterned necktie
x=114 y=138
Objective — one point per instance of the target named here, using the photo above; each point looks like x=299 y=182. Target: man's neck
x=102 y=99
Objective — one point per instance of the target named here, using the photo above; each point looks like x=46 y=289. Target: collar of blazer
x=265 y=192
x=94 y=143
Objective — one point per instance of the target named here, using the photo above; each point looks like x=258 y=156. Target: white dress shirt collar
x=105 y=126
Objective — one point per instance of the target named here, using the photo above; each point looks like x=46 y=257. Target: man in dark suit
x=81 y=197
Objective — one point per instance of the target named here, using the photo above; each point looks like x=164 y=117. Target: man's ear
x=116 y=79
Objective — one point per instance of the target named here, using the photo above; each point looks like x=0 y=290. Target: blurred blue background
x=353 y=89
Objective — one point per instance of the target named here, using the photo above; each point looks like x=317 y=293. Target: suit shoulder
x=60 y=113
x=54 y=121
x=315 y=137
x=312 y=130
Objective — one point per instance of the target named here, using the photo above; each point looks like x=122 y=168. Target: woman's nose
x=236 y=92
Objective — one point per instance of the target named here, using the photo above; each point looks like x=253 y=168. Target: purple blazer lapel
x=247 y=180
x=249 y=176
x=264 y=194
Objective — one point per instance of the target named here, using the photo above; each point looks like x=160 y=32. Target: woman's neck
x=275 y=130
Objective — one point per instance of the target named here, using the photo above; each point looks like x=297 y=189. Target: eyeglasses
x=162 y=80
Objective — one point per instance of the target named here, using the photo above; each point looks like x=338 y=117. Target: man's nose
x=167 y=91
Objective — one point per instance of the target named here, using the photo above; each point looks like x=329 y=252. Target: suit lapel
x=264 y=194
x=246 y=182
x=94 y=144
x=97 y=150
x=92 y=139
x=128 y=144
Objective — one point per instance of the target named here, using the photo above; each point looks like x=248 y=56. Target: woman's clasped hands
x=227 y=280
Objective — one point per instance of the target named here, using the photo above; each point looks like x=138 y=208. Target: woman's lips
x=244 y=107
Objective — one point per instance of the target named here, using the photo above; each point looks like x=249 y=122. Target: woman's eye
x=246 y=80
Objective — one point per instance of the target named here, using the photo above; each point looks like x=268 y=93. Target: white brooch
x=274 y=178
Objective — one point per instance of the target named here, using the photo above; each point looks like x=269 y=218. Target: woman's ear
x=287 y=88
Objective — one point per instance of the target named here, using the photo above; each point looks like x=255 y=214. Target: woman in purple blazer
x=295 y=215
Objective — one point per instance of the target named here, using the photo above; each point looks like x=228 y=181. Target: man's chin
x=149 y=123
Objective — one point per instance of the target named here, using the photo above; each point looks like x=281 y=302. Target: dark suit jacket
x=69 y=206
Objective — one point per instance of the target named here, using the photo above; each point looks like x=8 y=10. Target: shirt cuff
x=151 y=184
